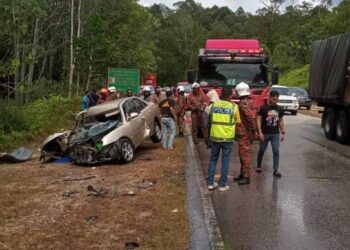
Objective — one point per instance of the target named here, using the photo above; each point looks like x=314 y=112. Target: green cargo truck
x=123 y=79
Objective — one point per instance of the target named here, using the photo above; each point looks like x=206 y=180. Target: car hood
x=287 y=97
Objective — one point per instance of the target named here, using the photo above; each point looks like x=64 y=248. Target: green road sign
x=124 y=79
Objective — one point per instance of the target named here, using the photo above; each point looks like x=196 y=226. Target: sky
x=247 y=5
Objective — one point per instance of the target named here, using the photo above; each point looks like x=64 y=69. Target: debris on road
x=91 y=218
x=131 y=245
x=175 y=210
x=93 y=192
x=79 y=179
x=21 y=154
x=69 y=193
x=129 y=193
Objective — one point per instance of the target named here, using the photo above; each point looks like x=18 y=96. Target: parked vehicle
x=149 y=79
x=227 y=62
x=329 y=84
x=107 y=132
x=287 y=100
x=303 y=97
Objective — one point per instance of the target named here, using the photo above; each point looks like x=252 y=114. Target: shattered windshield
x=91 y=126
x=230 y=74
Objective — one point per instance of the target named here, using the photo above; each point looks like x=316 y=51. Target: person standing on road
x=224 y=115
x=85 y=101
x=213 y=97
x=129 y=93
x=104 y=96
x=246 y=131
x=270 y=129
x=167 y=110
x=146 y=94
x=196 y=102
x=180 y=109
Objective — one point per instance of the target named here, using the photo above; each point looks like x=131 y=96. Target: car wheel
x=294 y=112
x=329 y=123
x=342 y=127
x=126 y=150
x=157 y=136
x=308 y=107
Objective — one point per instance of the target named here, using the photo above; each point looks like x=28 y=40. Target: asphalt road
x=308 y=208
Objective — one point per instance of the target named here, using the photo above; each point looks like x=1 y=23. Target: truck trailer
x=227 y=62
x=329 y=85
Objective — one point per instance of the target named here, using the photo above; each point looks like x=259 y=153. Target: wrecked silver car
x=106 y=132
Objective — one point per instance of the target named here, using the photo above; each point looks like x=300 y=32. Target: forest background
x=51 y=51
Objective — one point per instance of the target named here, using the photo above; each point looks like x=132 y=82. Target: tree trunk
x=71 y=65
x=78 y=36
x=34 y=51
x=90 y=72
x=16 y=50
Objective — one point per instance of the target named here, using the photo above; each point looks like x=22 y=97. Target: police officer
x=246 y=131
x=196 y=102
x=223 y=118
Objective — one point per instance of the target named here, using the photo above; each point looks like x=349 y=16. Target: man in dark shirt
x=270 y=128
x=167 y=110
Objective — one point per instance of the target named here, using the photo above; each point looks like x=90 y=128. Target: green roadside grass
x=28 y=124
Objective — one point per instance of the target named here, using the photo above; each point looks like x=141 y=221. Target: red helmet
x=104 y=91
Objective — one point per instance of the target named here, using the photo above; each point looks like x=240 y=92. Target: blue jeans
x=168 y=123
x=226 y=148
x=275 y=144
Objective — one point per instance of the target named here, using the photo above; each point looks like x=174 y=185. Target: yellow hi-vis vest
x=222 y=121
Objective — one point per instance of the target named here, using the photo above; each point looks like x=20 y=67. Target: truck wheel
x=342 y=127
x=294 y=112
x=329 y=123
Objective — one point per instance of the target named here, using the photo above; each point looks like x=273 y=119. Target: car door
x=137 y=123
x=147 y=112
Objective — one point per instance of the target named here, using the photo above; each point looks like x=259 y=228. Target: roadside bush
x=11 y=118
x=298 y=77
x=21 y=124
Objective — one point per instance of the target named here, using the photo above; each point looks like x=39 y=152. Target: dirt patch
x=42 y=207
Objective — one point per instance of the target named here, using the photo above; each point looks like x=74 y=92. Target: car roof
x=279 y=86
x=105 y=107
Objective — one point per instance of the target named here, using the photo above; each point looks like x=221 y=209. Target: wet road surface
x=308 y=208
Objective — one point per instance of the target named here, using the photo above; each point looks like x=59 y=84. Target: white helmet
x=112 y=89
x=181 y=89
x=242 y=89
x=195 y=85
x=146 y=89
x=213 y=95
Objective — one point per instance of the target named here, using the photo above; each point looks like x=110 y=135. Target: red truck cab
x=227 y=62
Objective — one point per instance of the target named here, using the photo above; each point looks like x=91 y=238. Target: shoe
x=170 y=148
x=244 y=181
x=224 y=188
x=237 y=178
x=277 y=174
x=212 y=186
x=258 y=169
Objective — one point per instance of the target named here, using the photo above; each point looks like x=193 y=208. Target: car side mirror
x=132 y=115
x=293 y=94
